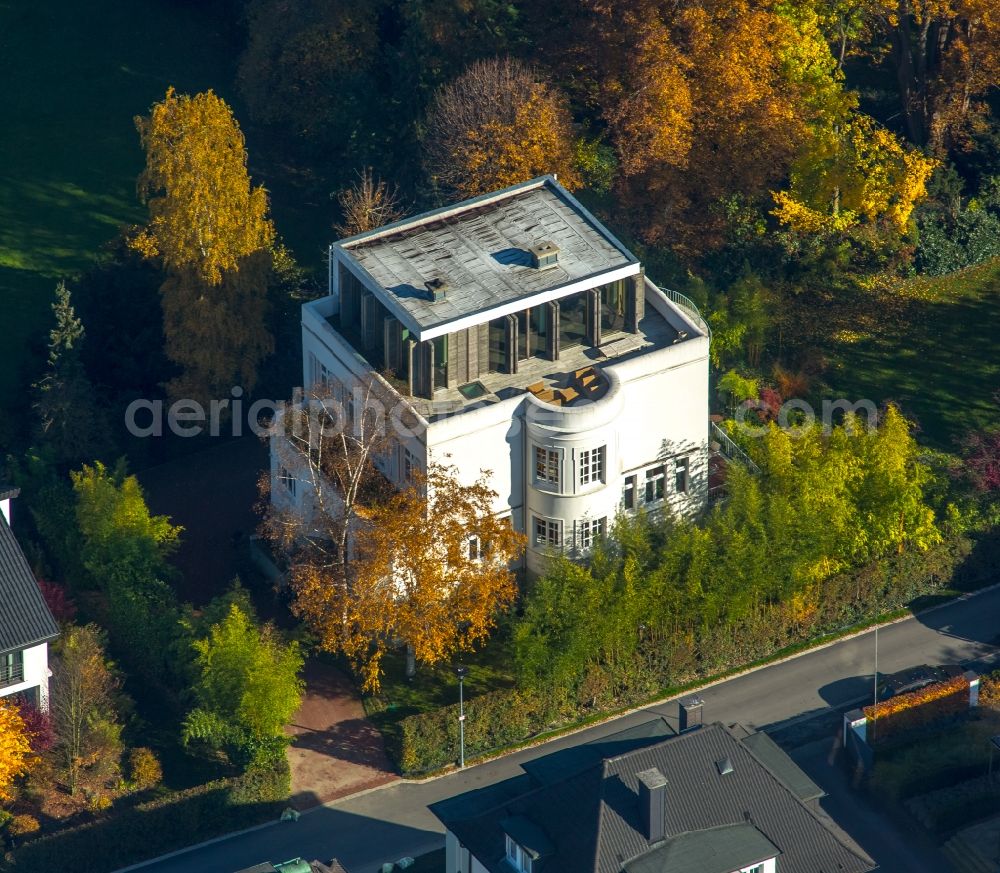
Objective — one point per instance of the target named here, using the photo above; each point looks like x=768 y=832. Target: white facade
x=32 y=665
x=651 y=422
x=561 y=470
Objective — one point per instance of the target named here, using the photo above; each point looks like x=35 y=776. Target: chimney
x=7 y=494
x=690 y=714
x=544 y=255
x=437 y=289
x=653 y=803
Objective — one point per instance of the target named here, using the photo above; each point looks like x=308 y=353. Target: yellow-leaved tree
x=858 y=171
x=15 y=748
x=431 y=570
x=496 y=125
x=209 y=227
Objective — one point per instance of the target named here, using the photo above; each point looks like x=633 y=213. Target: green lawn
x=74 y=75
x=935 y=354
x=490 y=669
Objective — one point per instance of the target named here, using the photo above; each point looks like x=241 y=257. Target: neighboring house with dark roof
x=713 y=799
x=26 y=625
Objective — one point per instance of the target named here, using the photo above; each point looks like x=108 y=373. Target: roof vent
x=437 y=289
x=725 y=766
x=544 y=255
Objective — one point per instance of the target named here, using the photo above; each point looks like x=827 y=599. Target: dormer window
x=526 y=843
x=517 y=857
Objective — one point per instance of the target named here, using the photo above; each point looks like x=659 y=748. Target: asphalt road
x=392 y=822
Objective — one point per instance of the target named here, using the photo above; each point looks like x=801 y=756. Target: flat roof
x=481 y=249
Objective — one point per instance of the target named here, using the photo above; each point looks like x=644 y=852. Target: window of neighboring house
x=546 y=465
x=592 y=529
x=654 y=484
x=409 y=464
x=757 y=868
x=628 y=494
x=289 y=481
x=518 y=858
x=682 y=475
x=11 y=668
x=475 y=549
x=592 y=466
x=547 y=532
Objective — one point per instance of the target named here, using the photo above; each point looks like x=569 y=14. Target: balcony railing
x=11 y=674
x=732 y=451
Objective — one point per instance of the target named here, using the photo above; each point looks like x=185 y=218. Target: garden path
x=336 y=750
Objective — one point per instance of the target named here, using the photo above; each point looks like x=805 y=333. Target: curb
x=571 y=731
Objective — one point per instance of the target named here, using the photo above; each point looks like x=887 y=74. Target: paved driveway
x=336 y=751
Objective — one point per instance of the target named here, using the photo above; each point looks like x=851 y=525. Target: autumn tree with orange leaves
x=498 y=124
x=702 y=102
x=209 y=228
x=431 y=571
x=15 y=748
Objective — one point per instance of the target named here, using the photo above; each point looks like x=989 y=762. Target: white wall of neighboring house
x=36 y=675
x=769 y=866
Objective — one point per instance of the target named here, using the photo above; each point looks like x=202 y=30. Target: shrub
x=263 y=783
x=160 y=825
x=430 y=740
x=907 y=712
x=22 y=825
x=144 y=770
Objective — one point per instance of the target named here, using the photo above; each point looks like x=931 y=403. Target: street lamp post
x=460 y=671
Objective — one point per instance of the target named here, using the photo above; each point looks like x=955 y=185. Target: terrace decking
x=565 y=376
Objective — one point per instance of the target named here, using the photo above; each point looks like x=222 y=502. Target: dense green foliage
x=125 y=550
x=247 y=689
x=824 y=504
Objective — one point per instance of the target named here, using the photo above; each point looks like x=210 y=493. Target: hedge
x=429 y=741
x=173 y=821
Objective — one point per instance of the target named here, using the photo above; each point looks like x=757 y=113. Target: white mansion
x=523 y=338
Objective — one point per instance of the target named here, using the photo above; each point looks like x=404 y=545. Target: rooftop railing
x=689 y=306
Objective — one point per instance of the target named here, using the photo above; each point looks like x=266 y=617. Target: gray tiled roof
x=481 y=249
x=716 y=850
x=25 y=620
x=593 y=818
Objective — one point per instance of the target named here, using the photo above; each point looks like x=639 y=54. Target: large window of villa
x=441 y=362
x=498 y=345
x=572 y=320
x=539 y=319
x=613 y=307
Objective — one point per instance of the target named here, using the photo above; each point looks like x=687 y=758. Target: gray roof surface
x=567 y=762
x=481 y=249
x=25 y=620
x=771 y=756
x=716 y=850
x=593 y=818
